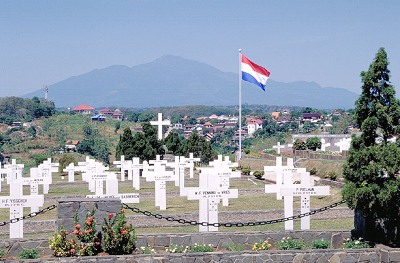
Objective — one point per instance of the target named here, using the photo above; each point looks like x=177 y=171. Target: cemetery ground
x=252 y=205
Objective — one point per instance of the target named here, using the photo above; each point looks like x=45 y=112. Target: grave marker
x=191 y=161
x=135 y=168
x=16 y=203
x=159 y=123
x=278 y=146
x=159 y=176
x=209 y=195
x=324 y=145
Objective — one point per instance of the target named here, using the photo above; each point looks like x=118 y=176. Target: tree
x=93 y=144
x=313 y=143
x=299 y=144
x=125 y=145
x=173 y=143
x=371 y=170
x=199 y=147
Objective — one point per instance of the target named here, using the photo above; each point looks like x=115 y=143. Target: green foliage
x=320 y=244
x=247 y=151
x=331 y=175
x=61 y=246
x=89 y=238
x=313 y=171
x=92 y=144
x=19 y=109
x=200 y=148
x=371 y=169
x=177 y=249
x=246 y=170
x=263 y=245
x=118 y=237
x=117 y=126
x=125 y=145
x=39 y=158
x=146 y=250
x=258 y=174
x=290 y=244
x=313 y=143
x=29 y=253
x=65 y=160
x=174 y=143
x=2 y=253
x=196 y=248
x=355 y=244
x=299 y=144
x=32 y=131
x=234 y=247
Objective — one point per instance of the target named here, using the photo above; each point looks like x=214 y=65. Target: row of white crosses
x=343 y=144
x=286 y=189
x=16 y=201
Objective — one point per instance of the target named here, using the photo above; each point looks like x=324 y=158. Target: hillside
x=175 y=81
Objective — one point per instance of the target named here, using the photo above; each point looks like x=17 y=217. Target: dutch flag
x=254 y=73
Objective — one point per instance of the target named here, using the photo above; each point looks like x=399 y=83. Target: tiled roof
x=83 y=107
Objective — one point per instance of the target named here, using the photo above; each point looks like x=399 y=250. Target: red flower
x=88 y=222
x=123 y=232
x=77 y=226
x=97 y=243
x=76 y=231
x=72 y=250
x=66 y=233
x=110 y=216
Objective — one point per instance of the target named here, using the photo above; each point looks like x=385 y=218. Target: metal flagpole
x=240 y=105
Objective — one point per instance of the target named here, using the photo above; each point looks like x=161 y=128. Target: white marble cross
x=134 y=169
x=304 y=190
x=179 y=167
x=222 y=170
x=123 y=164
x=71 y=172
x=278 y=147
x=14 y=171
x=34 y=181
x=45 y=170
x=159 y=123
x=343 y=144
x=191 y=161
x=16 y=203
x=159 y=176
x=324 y=145
x=209 y=195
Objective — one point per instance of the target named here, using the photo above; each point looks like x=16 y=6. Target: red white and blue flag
x=254 y=73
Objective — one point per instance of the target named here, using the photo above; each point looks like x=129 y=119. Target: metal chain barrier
x=14 y=220
x=236 y=224
x=190 y=222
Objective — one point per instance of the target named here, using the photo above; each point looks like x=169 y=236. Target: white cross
x=304 y=190
x=71 y=172
x=16 y=203
x=191 y=161
x=278 y=147
x=123 y=165
x=14 y=171
x=159 y=123
x=209 y=195
x=159 y=176
x=134 y=168
x=324 y=145
x=34 y=181
x=2 y=171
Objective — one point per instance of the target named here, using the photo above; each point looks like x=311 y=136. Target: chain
x=15 y=220
x=236 y=224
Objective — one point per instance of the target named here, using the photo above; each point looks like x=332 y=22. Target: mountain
x=175 y=81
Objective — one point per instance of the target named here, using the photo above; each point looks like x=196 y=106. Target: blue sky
x=329 y=42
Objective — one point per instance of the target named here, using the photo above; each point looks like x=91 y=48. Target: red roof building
x=84 y=109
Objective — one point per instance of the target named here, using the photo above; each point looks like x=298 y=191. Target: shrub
x=246 y=170
x=65 y=160
x=246 y=151
x=29 y=253
x=320 y=244
x=263 y=245
x=258 y=174
x=61 y=246
x=332 y=176
x=2 y=253
x=290 y=244
x=118 y=237
x=355 y=244
x=90 y=240
x=146 y=250
x=177 y=249
x=234 y=247
x=313 y=171
x=201 y=248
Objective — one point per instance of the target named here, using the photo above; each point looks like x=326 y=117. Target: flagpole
x=240 y=105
